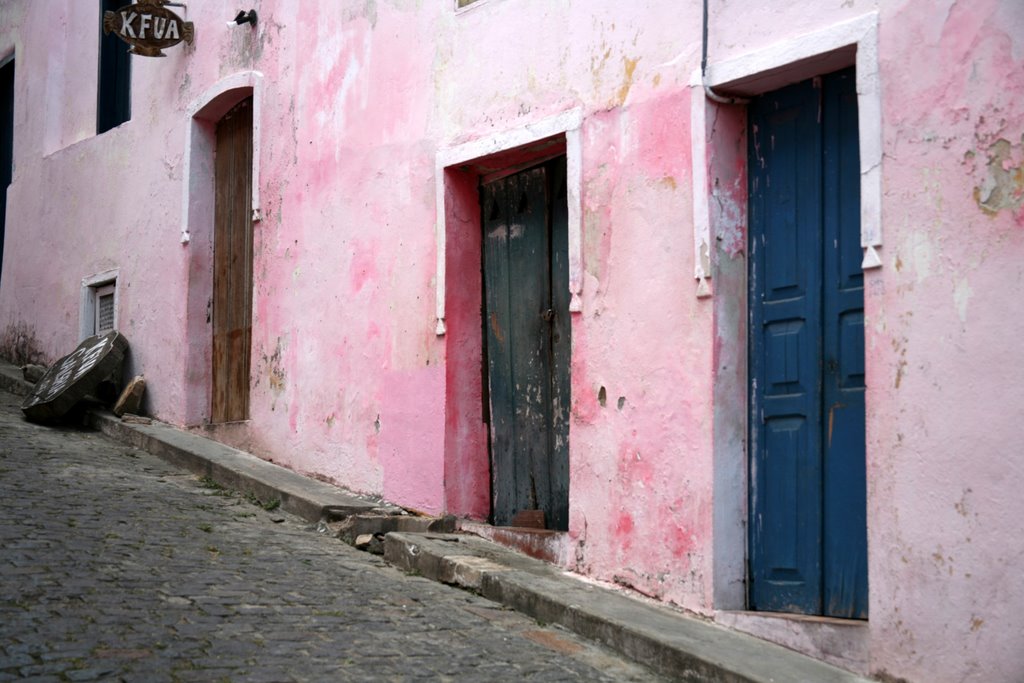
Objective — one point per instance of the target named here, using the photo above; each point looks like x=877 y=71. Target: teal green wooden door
x=808 y=529
x=527 y=338
x=6 y=143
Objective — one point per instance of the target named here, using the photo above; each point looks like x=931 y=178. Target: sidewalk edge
x=670 y=643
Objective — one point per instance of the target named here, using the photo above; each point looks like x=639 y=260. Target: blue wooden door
x=527 y=338
x=808 y=532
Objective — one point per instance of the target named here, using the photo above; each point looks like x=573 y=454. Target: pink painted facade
x=373 y=120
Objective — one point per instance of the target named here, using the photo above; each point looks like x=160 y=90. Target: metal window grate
x=105 y=313
x=104 y=308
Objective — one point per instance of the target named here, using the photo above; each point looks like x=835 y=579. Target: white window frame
x=93 y=287
x=472 y=5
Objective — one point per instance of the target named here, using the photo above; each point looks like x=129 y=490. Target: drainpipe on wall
x=708 y=92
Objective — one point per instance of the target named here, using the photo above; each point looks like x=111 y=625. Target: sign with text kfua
x=149 y=27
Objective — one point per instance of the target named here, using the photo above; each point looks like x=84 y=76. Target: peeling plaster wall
x=640 y=457
x=739 y=26
x=945 y=369
x=349 y=380
x=946 y=362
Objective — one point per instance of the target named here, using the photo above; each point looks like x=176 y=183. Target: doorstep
x=540 y=544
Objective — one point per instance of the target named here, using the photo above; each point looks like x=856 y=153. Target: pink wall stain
x=467 y=473
x=363 y=266
x=584 y=392
x=624 y=530
x=411 y=440
x=682 y=540
x=634 y=470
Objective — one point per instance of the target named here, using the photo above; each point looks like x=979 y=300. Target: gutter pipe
x=708 y=92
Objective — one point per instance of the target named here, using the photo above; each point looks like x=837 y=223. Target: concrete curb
x=228 y=467
x=683 y=648
x=12 y=380
x=233 y=469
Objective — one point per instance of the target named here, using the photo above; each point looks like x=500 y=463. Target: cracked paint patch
x=730 y=215
x=628 y=67
x=1002 y=186
x=275 y=371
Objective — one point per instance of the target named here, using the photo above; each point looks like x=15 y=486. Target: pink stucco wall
x=944 y=343
x=351 y=384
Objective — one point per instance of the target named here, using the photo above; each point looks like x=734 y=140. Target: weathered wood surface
x=130 y=399
x=527 y=339
x=808 y=549
x=232 y=274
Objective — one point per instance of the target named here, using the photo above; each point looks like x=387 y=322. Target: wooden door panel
x=232 y=256
x=845 y=487
x=497 y=315
x=561 y=347
x=785 y=356
x=527 y=381
x=6 y=143
x=808 y=532
x=530 y=296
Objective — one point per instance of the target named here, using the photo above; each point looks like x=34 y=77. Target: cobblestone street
x=115 y=566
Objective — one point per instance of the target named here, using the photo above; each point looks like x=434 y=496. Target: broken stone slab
x=131 y=398
x=444 y=525
x=371 y=543
x=353 y=527
x=32 y=372
x=389 y=510
x=467 y=571
x=376 y=545
x=336 y=513
x=76 y=375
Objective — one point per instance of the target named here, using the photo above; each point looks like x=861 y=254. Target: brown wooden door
x=232 y=265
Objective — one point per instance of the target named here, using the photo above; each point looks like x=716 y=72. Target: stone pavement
x=116 y=566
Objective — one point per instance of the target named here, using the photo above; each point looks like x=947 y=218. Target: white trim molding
x=795 y=59
x=701 y=190
x=210 y=106
x=568 y=123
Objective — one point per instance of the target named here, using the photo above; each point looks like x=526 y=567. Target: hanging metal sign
x=148 y=27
